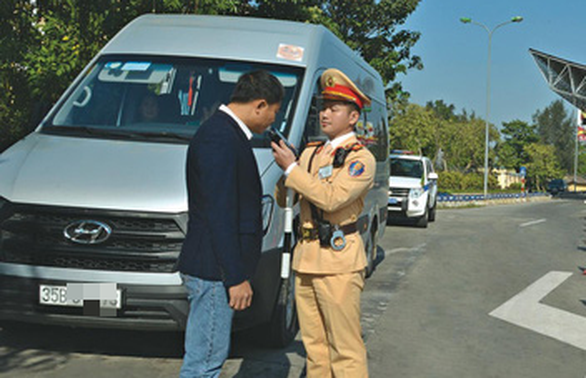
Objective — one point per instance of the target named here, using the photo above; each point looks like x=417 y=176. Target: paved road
x=426 y=309
x=437 y=323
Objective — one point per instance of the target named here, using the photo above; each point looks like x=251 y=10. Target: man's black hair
x=257 y=85
x=356 y=107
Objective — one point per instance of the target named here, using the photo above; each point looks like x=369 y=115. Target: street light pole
x=467 y=20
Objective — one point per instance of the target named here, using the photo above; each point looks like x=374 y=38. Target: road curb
x=491 y=202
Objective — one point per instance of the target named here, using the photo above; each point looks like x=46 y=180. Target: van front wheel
x=283 y=326
x=370 y=249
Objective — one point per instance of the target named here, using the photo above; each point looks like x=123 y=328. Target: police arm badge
x=356 y=168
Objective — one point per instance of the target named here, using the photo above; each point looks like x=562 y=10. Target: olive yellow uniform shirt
x=340 y=196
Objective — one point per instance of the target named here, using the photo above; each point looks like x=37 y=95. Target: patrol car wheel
x=283 y=325
x=422 y=221
x=432 y=212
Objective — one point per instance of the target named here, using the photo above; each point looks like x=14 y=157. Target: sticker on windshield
x=136 y=66
x=113 y=65
x=290 y=52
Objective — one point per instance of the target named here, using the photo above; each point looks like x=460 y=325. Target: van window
x=152 y=98
x=371 y=130
x=313 y=131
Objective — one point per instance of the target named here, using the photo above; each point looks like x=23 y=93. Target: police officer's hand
x=240 y=296
x=283 y=155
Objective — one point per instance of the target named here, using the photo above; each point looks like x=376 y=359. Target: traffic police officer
x=332 y=180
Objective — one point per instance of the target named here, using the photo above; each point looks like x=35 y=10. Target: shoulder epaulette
x=315 y=144
x=354 y=147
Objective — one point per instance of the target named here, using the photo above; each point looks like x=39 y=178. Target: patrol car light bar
x=401 y=152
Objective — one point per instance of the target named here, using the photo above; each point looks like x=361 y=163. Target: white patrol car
x=412 y=188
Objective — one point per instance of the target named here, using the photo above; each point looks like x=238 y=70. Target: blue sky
x=454 y=54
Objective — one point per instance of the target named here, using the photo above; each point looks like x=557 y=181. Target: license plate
x=51 y=295
x=393 y=201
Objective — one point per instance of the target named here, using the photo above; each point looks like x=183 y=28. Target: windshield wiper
x=86 y=130
x=162 y=134
x=119 y=133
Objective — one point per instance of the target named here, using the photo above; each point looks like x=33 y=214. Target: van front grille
x=138 y=242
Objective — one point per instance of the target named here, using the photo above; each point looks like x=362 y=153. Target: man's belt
x=313 y=233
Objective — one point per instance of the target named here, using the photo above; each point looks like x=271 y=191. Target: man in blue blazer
x=224 y=236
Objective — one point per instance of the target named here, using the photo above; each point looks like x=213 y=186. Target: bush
x=515 y=186
x=449 y=181
x=473 y=181
x=461 y=182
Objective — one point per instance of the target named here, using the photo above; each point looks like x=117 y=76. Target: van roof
x=237 y=38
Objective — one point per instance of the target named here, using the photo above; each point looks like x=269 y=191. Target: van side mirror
x=432 y=176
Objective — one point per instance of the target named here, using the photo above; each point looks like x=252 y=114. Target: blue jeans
x=207 y=335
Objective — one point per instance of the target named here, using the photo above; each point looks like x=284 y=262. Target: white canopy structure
x=567 y=79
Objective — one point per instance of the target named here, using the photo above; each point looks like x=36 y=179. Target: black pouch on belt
x=325 y=230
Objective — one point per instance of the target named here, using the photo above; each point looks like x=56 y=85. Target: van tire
x=370 y=250
x=432 y=212
x=12 y=326
x=283 y=326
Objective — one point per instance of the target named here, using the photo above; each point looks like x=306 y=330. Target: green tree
x=448 y=111
x=581 y=161
x=463 y=143
x=437 y=131
x=442 y=110
x=413 y=129
x=557 y=128
x=516 y=134
x=458 y=137
x=17 y=38
x=543 y=164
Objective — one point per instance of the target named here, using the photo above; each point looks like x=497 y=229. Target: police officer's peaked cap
x=337 y=86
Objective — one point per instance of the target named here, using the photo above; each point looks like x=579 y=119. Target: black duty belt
x=313 y=233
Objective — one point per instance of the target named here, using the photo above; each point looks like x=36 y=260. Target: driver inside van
x=148 y=110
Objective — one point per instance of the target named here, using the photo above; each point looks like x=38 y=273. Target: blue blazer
x=224 y=191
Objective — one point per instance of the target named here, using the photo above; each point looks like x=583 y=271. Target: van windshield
x=406 y=168
x=162 y=98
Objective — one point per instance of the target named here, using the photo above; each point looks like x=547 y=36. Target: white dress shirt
x=242 y=125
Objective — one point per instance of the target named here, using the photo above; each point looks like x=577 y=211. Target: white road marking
x=412 y=249
x=532 y=222
x=524 y=310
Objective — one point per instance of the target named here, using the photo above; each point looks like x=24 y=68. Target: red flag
x=581 y=126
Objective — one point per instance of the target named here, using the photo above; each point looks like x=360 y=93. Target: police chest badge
x=356 y=168
x=325 y=172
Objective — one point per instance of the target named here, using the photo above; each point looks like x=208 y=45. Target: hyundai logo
x=87 y=232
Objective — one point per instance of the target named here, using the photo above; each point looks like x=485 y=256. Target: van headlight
x=415 y=193
x=267 y=212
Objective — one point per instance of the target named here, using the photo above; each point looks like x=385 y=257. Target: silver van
x=96 y=194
